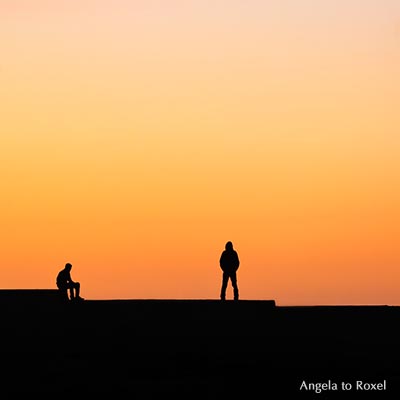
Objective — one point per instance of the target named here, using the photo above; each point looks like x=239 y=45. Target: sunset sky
x=137 y=137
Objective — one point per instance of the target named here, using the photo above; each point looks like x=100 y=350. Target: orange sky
x=136 y=138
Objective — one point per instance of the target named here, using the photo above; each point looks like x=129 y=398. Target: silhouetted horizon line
x=16 y=291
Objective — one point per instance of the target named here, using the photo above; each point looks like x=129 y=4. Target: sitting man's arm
x=68 y=278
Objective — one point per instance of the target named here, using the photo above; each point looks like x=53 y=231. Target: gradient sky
x=137 y=137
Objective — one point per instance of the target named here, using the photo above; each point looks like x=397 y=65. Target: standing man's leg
x=235 y=286
x=225 y=278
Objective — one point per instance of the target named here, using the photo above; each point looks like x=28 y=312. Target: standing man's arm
x=222 y=261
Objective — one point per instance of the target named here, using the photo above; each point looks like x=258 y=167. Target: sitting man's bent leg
x=77 y=287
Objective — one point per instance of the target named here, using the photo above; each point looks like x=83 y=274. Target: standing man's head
x=229 y=246
x=68 y=266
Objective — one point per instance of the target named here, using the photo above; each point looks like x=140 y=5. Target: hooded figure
x=229 y=263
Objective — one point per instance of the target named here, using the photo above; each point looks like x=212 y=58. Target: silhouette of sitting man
x=229 y=263
x=65 y=283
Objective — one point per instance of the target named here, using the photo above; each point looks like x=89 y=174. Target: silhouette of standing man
x=229 y=263
x=65 y=283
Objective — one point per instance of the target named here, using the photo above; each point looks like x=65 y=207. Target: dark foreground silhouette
x=195 y=349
